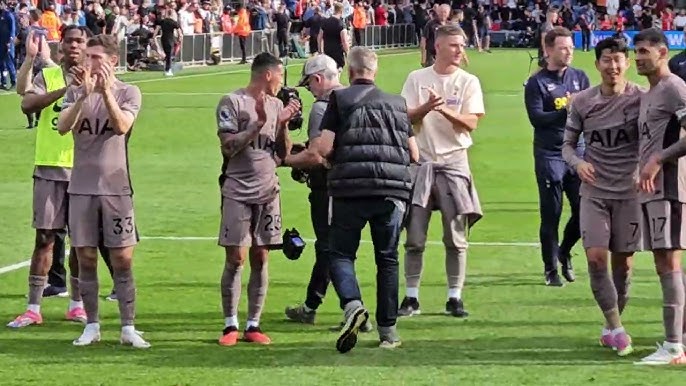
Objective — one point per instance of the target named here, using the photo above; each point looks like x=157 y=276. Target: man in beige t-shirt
x=445 y=104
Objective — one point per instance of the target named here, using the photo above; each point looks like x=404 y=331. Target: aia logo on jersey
x=95 y=126
x=609 y=138
x=264 y=142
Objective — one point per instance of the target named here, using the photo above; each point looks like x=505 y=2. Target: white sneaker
x=670 y=355
x=169 y=73
x=91 y=334
x=133 y=339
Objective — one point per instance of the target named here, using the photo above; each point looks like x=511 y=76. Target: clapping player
x=101 y=114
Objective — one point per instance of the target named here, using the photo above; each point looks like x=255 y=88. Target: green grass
x=519 y=332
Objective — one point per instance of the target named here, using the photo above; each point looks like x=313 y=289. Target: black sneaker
x=567 y=269
x=455 y=307
x=52 y=291
x=367 y=327
x=112 y=297
x=229 y=329
x=298 y=314
x=409 y=307
x=355 y=319
x=552 y=279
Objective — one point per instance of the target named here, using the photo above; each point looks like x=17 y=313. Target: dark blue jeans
x=319 y=280
x=385 y=218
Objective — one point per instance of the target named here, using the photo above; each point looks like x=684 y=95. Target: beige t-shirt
x=436 y=138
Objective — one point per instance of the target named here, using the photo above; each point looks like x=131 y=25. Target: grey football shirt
x=101 y=157
x=609 y=125
x=250 y=175
x=663 y=112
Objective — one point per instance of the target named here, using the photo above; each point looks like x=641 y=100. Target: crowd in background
x=300 y=18
x=123 y=17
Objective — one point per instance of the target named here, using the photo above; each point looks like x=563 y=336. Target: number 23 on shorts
x=272 y=222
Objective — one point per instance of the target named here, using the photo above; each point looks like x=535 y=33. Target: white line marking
x=26 y=263
x=15 y=267
x=205 y=74
x=183 y=93
x=430 y=242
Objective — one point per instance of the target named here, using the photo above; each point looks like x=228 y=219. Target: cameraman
x=320 y=76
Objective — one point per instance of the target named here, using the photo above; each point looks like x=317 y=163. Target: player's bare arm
x=121 y=120
x=584 y=169
x=233 y=143
x=422 y=49
x=324 y=146
x=69 y=116
x=307 y=158
x=418 y=113
x=670 y=154
x=25 y=73
x=33 y=102
x=414 y=149
x=283 y=140
x=460 y=122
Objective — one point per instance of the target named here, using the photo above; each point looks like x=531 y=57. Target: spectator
x=50 y=21
x=680 y=20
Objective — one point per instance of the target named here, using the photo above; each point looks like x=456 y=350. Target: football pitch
x=519 y=332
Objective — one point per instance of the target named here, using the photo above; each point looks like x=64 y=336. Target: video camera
x=293 y=244
x=286 y=94
x=299 y=175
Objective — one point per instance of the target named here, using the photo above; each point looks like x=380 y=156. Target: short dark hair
x=83 y=30
x=263 y=62
x=612 y=44
x=653 y=36
x=556 y=32
x=109 y=43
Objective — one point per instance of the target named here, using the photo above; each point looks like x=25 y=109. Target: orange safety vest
x=359 y=18
x=242 y=27
x=227 y=24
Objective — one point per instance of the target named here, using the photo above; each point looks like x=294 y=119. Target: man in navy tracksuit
x=8 y=32
x=548 y=95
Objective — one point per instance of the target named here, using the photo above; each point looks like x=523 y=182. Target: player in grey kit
x=251 y=124
x=607 y=116
x=663 y=185
x=101 y=114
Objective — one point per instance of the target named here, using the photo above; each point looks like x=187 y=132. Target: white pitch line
x=26 y=263
x=183 y=93
x=206 y=74
x=430 y=242
x=15 y=267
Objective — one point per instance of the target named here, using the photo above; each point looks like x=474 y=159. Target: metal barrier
x=196 y=50
x=388 y=36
